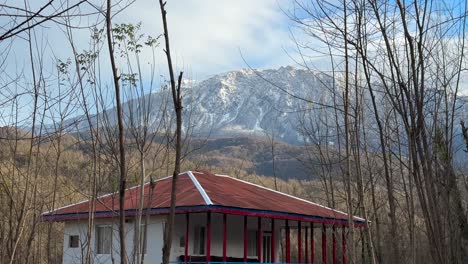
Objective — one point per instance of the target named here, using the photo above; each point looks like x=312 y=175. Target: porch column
x=306 y=246
x=273 y=241
x=324 y=245
x=334 y=244
x=299 y=242
x=246 y=239
x=187 y=227
x=224 y=237
x=288 y=243
x=208 y=237
x=343 y=241
x=259 y=239
x=312 y=249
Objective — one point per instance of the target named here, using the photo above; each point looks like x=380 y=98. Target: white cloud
x=207 y=36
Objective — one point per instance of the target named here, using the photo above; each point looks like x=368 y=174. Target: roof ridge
x=200 y=188
x=291 y=196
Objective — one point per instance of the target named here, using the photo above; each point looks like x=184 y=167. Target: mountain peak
x=243 y=102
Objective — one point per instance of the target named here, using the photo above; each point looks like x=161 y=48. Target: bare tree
x=410 y=57
x=120 y=124
x=177 y=100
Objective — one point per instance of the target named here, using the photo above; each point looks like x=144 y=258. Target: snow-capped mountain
x=247 y=102
x=237 y=103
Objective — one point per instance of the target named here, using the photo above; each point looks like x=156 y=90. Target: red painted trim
x=233 y=211
x=288 y=243
x=299 y=242
x=187 y=227
x=343 y=239
x=324 y=245
x=334 y=245
x=224 y=237
x=306 y=246
x=259 y=239
x=273 y=241
x=281 y=217
x=246 y=239
x=312 y=249
x=208 y=239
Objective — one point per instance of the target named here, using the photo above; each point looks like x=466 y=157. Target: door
x=266 y=247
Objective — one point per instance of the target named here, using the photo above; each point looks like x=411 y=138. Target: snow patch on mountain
x=239 y=103
x=247 y=101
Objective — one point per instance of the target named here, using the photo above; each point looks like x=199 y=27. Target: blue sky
x=207 y=38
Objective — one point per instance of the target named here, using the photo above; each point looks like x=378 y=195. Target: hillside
x=255 y=156
x=257 y=104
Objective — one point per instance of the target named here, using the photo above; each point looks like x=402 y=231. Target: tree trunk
x=122 y=165
x=177 y=100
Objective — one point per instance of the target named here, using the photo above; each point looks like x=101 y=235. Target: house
x=218 y=219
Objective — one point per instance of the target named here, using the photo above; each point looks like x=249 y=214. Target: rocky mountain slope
x=246 y=104
x=237 y=103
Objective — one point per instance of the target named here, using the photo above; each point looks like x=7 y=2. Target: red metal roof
x=204 y=191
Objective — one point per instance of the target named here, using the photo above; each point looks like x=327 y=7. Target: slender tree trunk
x=349 y=196
x=122 y=167
x=147 y=219
x=138 y=240
x=177 y=100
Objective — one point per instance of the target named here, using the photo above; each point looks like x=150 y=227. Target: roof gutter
x=210 y=208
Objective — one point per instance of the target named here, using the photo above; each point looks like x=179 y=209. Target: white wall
x=74 y=255
x=235 y=237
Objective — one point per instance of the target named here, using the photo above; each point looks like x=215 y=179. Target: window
x=182 y=241
x=103 y=239
x=199 y=241
x=143 y=238
x=73 y=241
x=252 y=244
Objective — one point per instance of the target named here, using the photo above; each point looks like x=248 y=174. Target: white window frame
x=102 y=250
x=70 y=241
x=266 y=247
x=199 y=240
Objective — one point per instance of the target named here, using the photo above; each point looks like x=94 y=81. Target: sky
x=207 y=37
